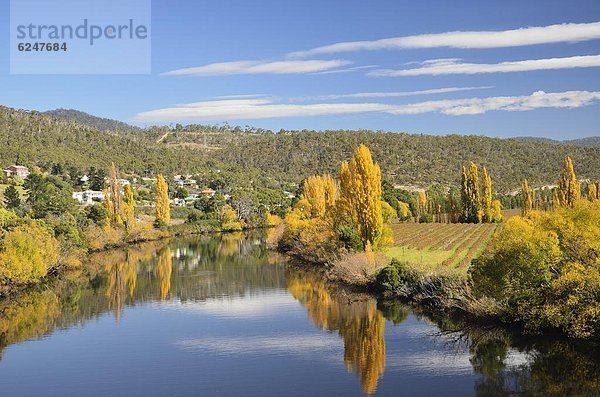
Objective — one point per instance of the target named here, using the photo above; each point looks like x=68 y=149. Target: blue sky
x=543 y=82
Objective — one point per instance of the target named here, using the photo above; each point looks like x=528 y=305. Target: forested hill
x=404 y=158
x=98 y=123
x=593 y=141
x=32 y=138
x=256 y=156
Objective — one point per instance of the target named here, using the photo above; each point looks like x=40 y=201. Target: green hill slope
x=288 y=156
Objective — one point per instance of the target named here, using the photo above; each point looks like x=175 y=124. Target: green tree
x=12 y=198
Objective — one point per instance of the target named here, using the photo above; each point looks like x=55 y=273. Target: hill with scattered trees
x=99 y=123
x=257 y=156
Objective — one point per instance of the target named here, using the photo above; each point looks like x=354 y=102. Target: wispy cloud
x=398 y=94
x=240 y=96
x=562 y=33
x=347 y=70
x=260 y=67
x=265 y=108
x=454 y=66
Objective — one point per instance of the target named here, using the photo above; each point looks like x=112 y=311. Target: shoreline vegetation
x=451 y=250
x=540 y=271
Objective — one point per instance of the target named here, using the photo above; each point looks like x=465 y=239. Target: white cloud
x=240 y=96
x=537 y=100
x=260 y=67
x=265 y=108
x=244 y=306
x=289 y=344
x=562 y=33
x=452 y=66
x=400 y=93
x=347 y=70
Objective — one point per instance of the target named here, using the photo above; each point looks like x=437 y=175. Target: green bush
x=350 y=238
x=388 y=278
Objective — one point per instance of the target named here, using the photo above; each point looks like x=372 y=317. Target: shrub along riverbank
x=541 y=270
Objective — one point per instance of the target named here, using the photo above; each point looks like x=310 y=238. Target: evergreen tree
x=12 y=199
x=360 y=195
x=163 y=210
x=569 y=190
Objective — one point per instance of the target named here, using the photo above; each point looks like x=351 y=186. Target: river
x=222 y=315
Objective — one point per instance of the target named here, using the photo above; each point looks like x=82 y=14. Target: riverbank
x=101 y=240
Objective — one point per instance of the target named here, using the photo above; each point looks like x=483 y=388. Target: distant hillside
x=593 y=141
x=254 y=157
x=98 y=123
x=404 y=158
x=34 y=138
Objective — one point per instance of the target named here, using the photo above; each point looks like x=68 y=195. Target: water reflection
x=357 y=319
x=217 y=271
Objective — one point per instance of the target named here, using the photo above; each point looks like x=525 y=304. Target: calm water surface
x=224 y=316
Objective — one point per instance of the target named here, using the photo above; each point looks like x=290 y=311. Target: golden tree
x=113 y=196
x=163 y=210
x=486 y=197
x=128 y=208
x=422 y=202
x=592 y=192
x=360 y=195
x=470 y=194
x=569 y=190
x=527 y=194
x=321 y=193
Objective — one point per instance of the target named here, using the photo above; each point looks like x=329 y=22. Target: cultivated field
x=440 y=247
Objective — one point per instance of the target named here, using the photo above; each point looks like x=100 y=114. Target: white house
x=88 y=197
x=16 y=170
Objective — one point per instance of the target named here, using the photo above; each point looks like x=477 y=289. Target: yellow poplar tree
x=486 y=197
x=470 y=194
x=422 y=202
x=592 y=192
x=128 y=208
x=321 y=193
x=113 y=200
x=527 y=194
x=360 y=195
x=569 y=190
x=163 y=210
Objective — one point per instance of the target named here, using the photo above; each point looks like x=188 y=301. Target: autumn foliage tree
x=470 y=194
x=113 y=196
x=128 y=208
x=360 y=195
x=320 y=192
x=527 y=194
x=163 y=209
x=569 y=190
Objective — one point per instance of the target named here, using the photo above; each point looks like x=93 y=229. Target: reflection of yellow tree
x=122 y=279
x=164 y=269
x=30 y=315
x=360 y=324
